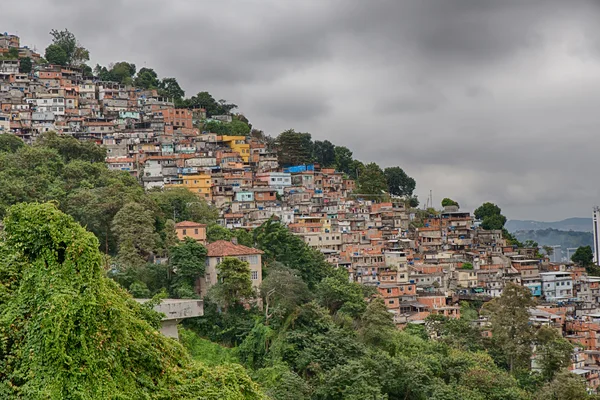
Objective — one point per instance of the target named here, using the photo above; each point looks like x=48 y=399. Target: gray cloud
x=479 y=100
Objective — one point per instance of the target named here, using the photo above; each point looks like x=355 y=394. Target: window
x=254 y=275
x=391 y=302
x=196 y=231
x=389 y=291
x=185 y=231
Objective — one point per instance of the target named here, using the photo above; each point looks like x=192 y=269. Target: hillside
x=570 y=224
x=554 y=237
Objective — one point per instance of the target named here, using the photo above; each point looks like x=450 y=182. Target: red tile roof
x=224 y=248
x=189 y=224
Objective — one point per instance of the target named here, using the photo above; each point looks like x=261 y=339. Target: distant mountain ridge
x=578 y=224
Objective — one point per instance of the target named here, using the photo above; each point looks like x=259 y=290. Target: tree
x=122 y=72
x=147 y=79
x=487 y=210
x=206 y=100
x=61 y=317
x=449 y=202
x=234 y=283
x=13 y=53
x=324 y=153
x=531 y=244
x=294 y=148
x=343 y=159
x=549 y=250
x=56 y=55
x=218 y=127
x=282 y=291
x=511 y=331
x=336 y=293
x=566 y=386
x=25 y=65
x=553 y=352
x=399 y=183
x=66 y=40
x=239 y=128
x=372 y=183
x=182 y=205
x=133 y=226
x=72 y=149
x=493 y=222
x=583 y=256
x=187 y=261
x=376 y=324
x=10 y=143
x=280 y=245
x=169 y=87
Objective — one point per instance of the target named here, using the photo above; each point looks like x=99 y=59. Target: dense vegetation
x=132 y=226
x=69 y=332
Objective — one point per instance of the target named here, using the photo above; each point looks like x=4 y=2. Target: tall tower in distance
x=596 y=231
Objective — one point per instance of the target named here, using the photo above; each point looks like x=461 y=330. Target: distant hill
x=569 y=224
x=554 y=237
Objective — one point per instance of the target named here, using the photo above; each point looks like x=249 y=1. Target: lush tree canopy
x=69 y=332
x=449 y=202
x=399 y=183
x=372 y=183
x=56 y=55
x=294 y=148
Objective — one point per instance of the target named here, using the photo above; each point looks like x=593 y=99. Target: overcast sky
x=477 y=100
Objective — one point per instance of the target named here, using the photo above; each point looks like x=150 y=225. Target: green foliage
x=69 y=332
x=253 y=350
x=205 y=351
x=566 y=386
x=122 y=72
x=282 y=291
x=511 y=332
x=376 y=324
x=343 y=159
x=239 y=128
x=212 y=107
x=10 y=143
x=324 y=153
x=294 y=148
x=183 y=205
x=372 y=183
x=553 y=352
x=146 y=79
x=56 y=55
x=493 y=222
x=449 y=202
x=133 y=226
x=491 y=216
x=234 y=284
x=398 y=182
x=71 y=149
x=13 y=53
x=188 y=263
x=336 y=293
x=75 y=54
x=466 y=266
x=583 y=256
x=169 y=87
x=280 y=245
x=280 y=383
x=25 y=65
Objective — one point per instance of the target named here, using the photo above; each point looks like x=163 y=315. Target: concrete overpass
x=176 y=310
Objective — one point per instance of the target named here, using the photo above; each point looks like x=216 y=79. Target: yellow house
x=238 y=144
x=200 y=184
